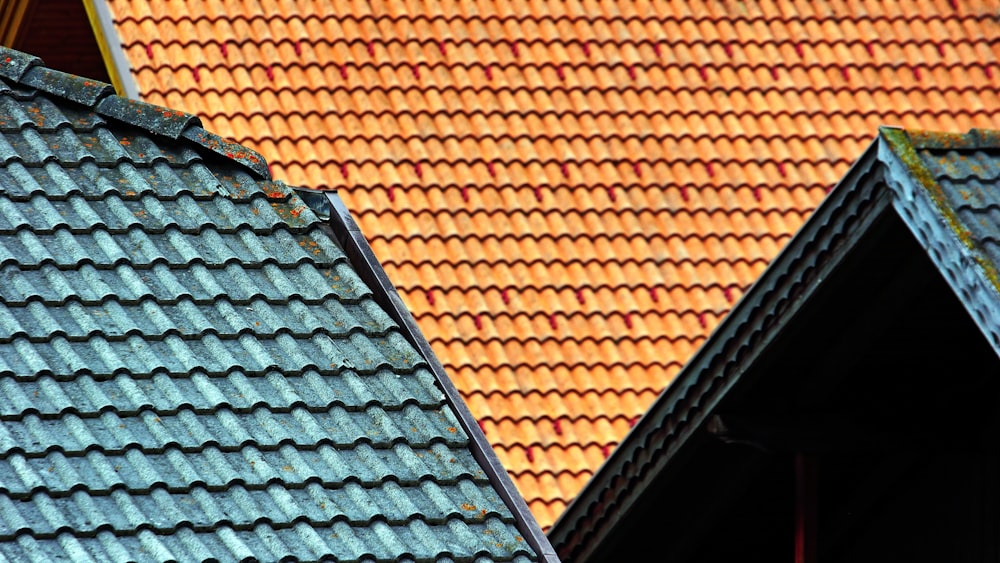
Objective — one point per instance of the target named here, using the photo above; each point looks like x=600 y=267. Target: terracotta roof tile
x=569 y=194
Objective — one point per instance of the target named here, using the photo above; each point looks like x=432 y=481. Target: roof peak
x=940 y=186
x=21 y=69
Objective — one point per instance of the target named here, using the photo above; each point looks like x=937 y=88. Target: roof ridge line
x=19 y=68
x=974 y=139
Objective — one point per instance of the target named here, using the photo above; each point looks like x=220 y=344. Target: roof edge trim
x=798 y=270
x=370 y=269
x=118 y=66
x=919 y=202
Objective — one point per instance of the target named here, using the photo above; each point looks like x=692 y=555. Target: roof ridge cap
x=14 y=64
x=241 y=154
x=19 y=68
x=922 y=139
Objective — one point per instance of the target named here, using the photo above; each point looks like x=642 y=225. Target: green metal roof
x=193 y=368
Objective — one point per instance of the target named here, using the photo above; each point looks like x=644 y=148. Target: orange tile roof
x=568 y=194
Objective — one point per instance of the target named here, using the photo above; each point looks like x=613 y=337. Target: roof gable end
x=942 y=188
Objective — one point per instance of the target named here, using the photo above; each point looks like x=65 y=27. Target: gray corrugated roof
x=945 y=189
x=192 y=368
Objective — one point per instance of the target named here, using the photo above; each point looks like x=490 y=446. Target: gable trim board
x=890 y=177
x=111 y=48
x=361 y=255
x=124 y=139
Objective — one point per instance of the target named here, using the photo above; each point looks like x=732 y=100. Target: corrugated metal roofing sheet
x=191 y=367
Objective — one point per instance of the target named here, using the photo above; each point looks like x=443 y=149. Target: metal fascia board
x=370 y=269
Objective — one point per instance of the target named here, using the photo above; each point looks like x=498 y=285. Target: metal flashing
x=370 y=269
x=12 y=14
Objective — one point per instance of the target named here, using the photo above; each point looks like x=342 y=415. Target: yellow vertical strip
x=8 y=31
x=110 y=61
x=11 y=20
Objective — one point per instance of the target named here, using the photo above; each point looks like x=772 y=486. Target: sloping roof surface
x=961 y=174
x=191 y=368
x=569 y=194
x=944 y=187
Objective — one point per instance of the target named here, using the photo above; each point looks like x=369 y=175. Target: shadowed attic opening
x=57 y=31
